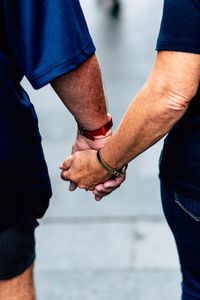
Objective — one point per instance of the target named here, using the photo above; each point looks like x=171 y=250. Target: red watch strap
x=91 y=133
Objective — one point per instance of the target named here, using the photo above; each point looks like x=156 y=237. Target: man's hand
x=82 y=93
x=83 y=143
x=104 y=189
x=84 y=170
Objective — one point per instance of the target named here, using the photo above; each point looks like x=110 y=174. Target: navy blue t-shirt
x=40 y=40
x=180 y=159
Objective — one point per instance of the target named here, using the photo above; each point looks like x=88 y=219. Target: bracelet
x=117 y=173
x=90 y=134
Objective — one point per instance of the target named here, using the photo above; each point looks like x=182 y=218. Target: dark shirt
x=40 y=40
x=180 y=159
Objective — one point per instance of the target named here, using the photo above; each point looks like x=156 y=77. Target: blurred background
x=120 y=248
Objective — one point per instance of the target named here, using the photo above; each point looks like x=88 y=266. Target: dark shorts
x=17 y=248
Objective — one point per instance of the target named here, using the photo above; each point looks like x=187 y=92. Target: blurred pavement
x=120 y=248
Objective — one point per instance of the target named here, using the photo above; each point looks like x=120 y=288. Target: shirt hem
x=178 y=46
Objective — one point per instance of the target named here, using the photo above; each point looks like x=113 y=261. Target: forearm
x=82 y=93
x=147 y=120
x=158 y=106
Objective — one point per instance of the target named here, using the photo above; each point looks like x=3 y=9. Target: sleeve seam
x=41 y=74
x=181 y=42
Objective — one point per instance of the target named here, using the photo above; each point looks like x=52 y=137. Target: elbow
x=173 y=95
x=177 y=101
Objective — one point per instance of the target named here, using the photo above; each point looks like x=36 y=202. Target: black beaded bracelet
x=117 y=173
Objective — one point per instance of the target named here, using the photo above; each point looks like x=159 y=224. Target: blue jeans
x=183 y=216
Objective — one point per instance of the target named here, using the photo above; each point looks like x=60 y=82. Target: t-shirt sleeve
x=180 y=26
x=47 y=38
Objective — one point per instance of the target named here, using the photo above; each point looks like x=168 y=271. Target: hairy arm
x=82 y=93
x=158 y=106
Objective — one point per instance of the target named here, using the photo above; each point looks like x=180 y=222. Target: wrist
x=93 y=123
x=110 y=156
x=83 y=143
x=116 y=172
x=99 y=133
x=99 y=137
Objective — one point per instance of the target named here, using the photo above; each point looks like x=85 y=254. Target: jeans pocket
x=190 y=205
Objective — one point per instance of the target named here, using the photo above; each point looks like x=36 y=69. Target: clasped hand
x=83 y=170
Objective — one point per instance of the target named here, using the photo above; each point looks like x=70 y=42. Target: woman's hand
x=84 y=169
x=86 y=172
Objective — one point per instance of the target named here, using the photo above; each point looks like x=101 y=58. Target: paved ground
x=120 y=248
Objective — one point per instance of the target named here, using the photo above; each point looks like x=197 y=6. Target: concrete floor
x=120 y=248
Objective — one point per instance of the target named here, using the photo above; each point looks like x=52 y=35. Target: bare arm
x=158 y=106
x=82 y=93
